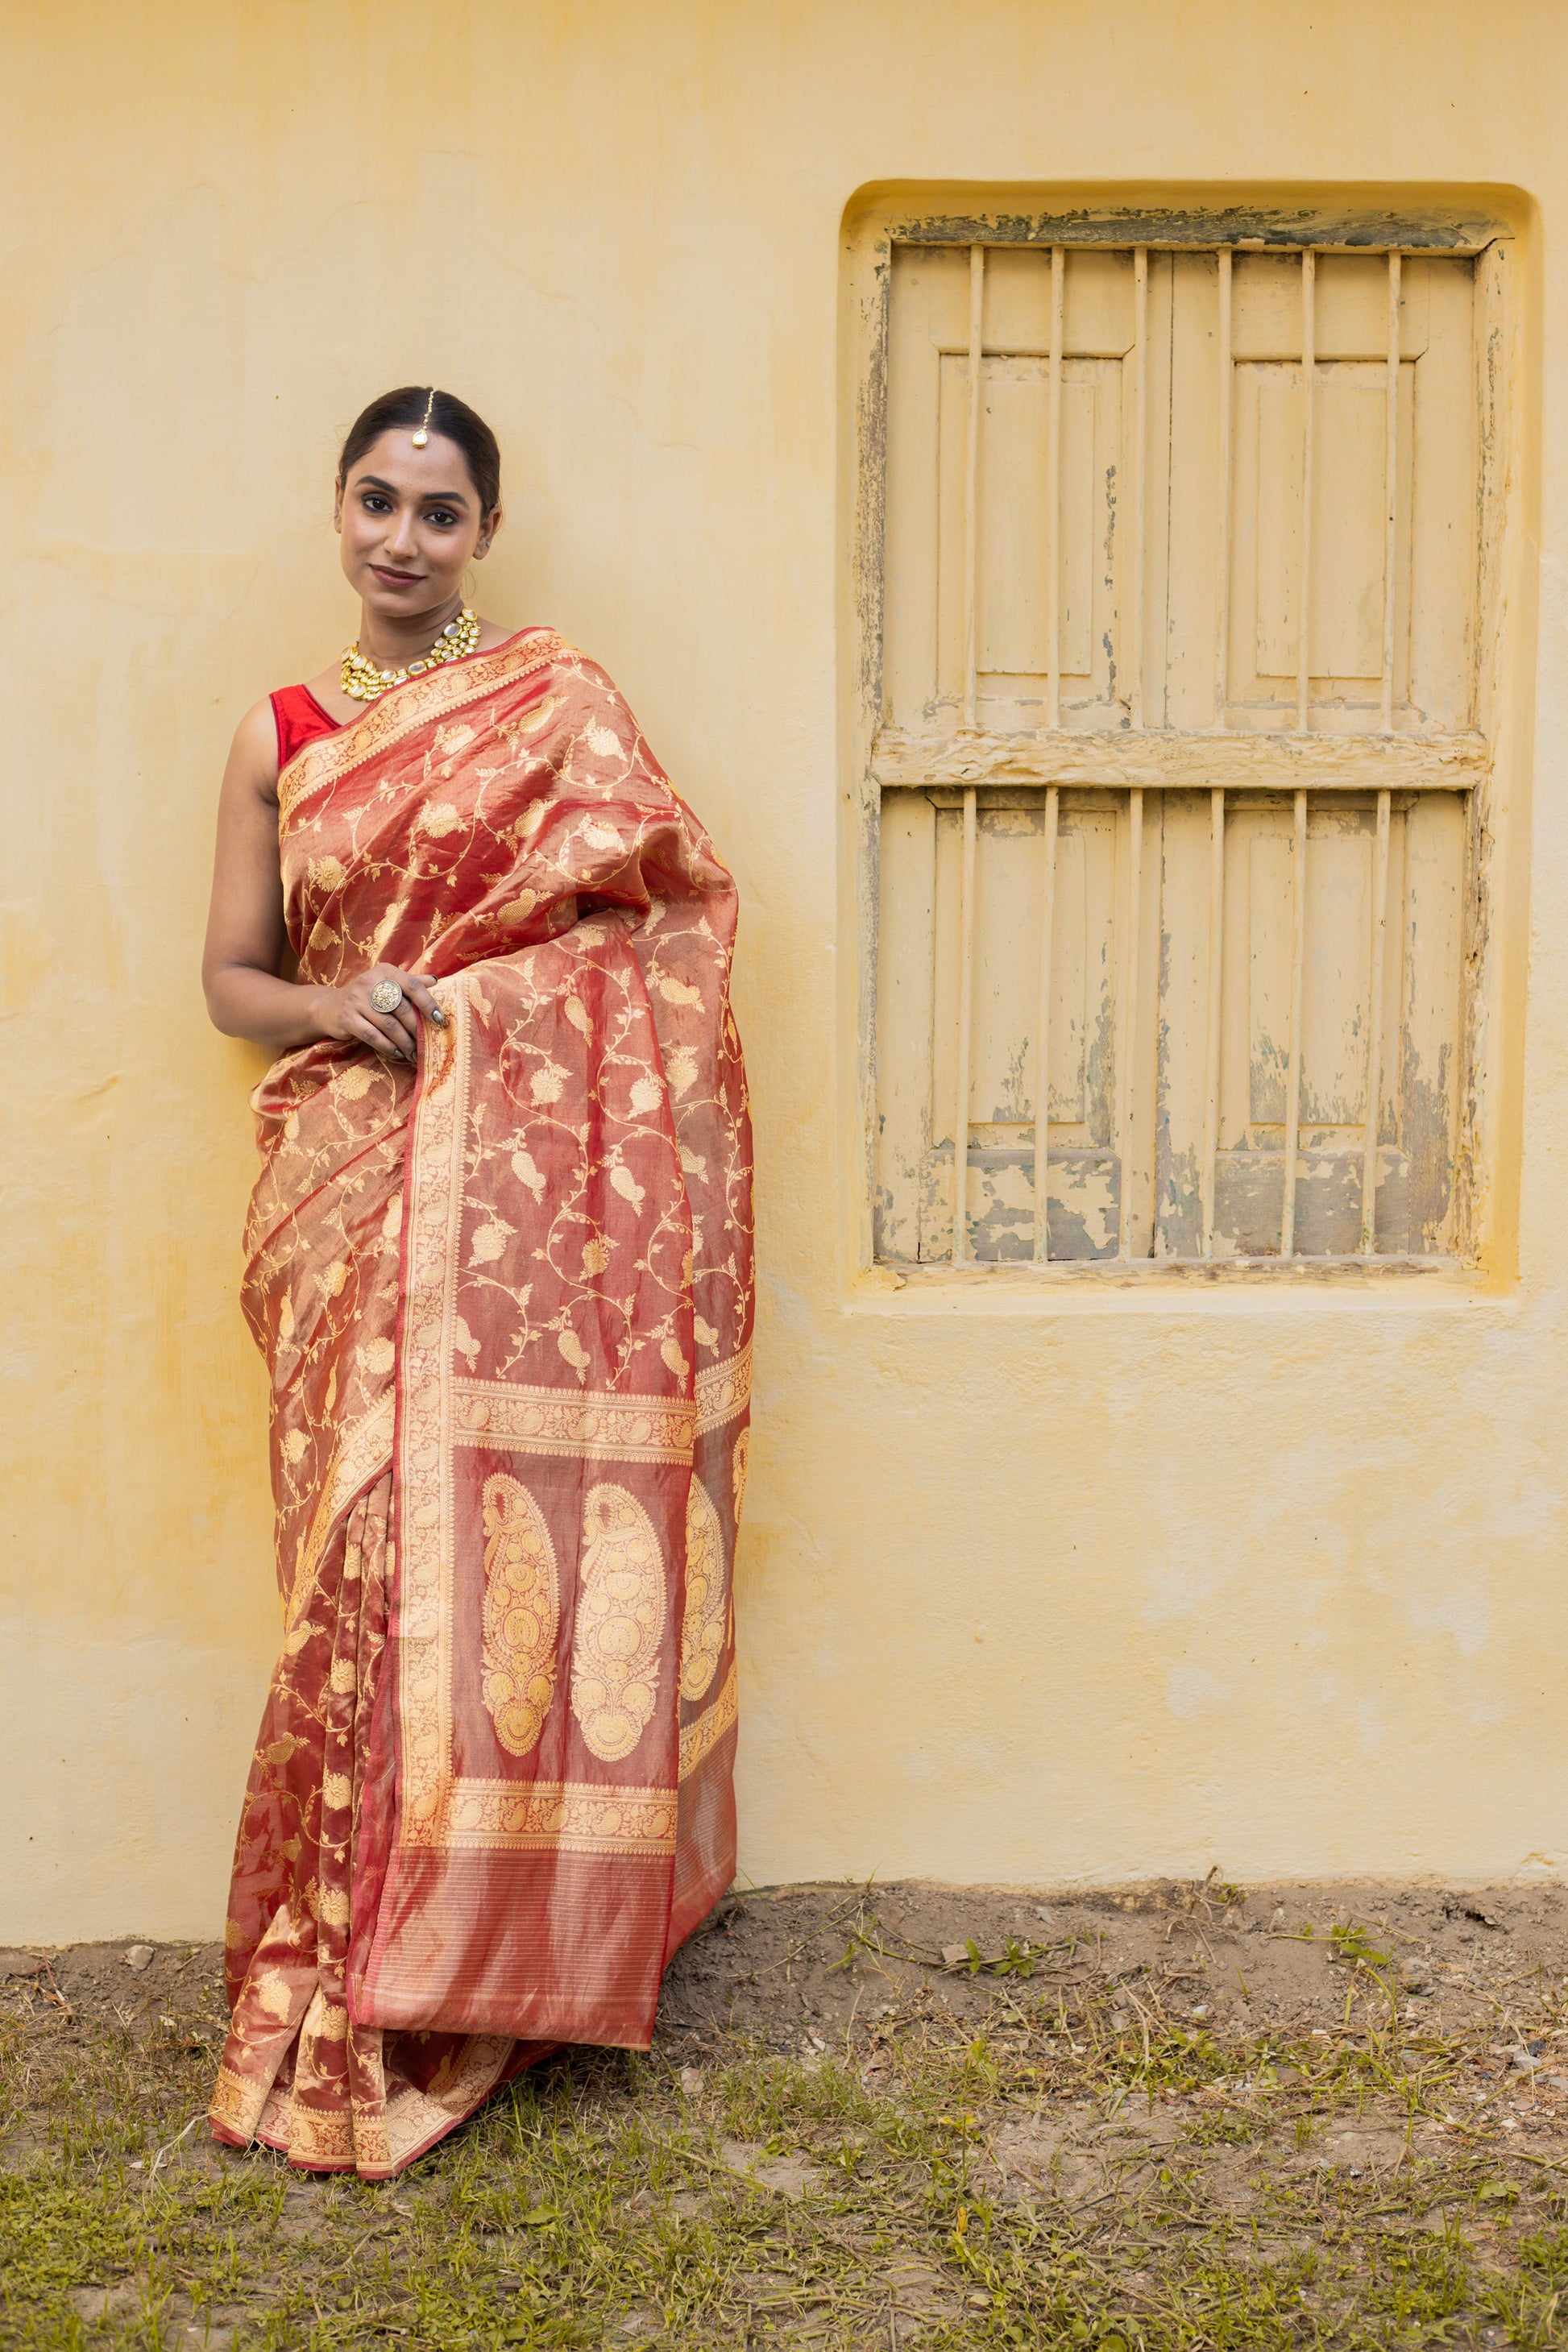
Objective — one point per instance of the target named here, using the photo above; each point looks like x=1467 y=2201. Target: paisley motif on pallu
x=521 y=1612
x=620 y=1617
x=702 y=1628
x=506 y=1309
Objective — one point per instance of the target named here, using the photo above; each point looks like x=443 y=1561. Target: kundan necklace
x=362 y=681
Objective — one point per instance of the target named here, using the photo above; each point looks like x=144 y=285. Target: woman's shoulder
x=253 y=754
x=273 y=729
x=299 y=717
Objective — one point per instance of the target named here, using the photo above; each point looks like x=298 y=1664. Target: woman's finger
x=406 y=1019
x=364 y=1030
x=418 y=985
x=370 y=1031
x=403 y=1039
x=358 y=1030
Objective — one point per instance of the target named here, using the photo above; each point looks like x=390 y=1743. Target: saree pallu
x=506 y=1305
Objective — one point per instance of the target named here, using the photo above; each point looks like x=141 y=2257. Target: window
x=1185 y=575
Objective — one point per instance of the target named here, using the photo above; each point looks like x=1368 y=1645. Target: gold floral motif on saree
x=520 y=1614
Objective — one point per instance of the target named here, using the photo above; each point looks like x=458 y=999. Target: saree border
x=723 y=1391
x=441 y=693
x=362 y=1458
x=523 y=1419
x=562 y=1817
x=432 y=1207
x=353 y=2137
x=700 y=1738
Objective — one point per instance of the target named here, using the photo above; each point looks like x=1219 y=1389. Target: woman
x=499 y=1264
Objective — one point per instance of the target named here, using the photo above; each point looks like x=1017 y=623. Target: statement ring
x=386 y=996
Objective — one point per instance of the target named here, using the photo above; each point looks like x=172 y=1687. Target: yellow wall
x=1032 y=1587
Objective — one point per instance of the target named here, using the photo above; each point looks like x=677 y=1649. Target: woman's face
x=410 y=525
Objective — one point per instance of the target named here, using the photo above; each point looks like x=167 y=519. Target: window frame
x=1485 y=1142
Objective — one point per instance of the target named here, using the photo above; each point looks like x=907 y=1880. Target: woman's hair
x=416 y=404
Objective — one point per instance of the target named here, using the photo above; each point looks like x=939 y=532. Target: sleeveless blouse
x=299 y=719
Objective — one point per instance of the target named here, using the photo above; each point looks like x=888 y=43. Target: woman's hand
x=348 y=1014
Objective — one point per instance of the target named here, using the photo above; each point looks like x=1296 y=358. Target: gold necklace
x=362 y=681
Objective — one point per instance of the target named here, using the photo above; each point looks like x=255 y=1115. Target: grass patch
x=1084 y=2166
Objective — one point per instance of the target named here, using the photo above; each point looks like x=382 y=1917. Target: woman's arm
x=245 y=936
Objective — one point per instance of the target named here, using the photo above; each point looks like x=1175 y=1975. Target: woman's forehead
x=438 y=470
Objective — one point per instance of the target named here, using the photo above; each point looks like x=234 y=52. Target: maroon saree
x=506 y=1304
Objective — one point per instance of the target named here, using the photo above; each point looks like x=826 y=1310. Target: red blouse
x=299 y=719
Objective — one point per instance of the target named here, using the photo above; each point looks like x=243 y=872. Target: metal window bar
x=1391 y=492
x=1293 y=1069
x=1132 y=650
x=1054 y=496
x=1374 y=1031
x=965 y=1035
x=1304 y=581
x=1222 y=578
x=1043 y=1030
x=1124 y=1089
x=972 y=477
x=1211 y=1055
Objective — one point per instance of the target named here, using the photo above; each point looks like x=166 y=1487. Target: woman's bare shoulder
x=253 y=754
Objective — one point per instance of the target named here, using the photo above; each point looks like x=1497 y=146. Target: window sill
x=1122 y=1286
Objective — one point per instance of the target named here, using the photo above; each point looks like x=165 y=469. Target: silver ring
x=386 y=996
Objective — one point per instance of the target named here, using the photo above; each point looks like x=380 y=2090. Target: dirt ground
x=1261 y=1959
x=1177 y=2116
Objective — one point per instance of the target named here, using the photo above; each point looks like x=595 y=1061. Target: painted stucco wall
x=1033 y=1588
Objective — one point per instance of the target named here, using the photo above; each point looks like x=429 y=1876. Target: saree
x=505 y=1302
